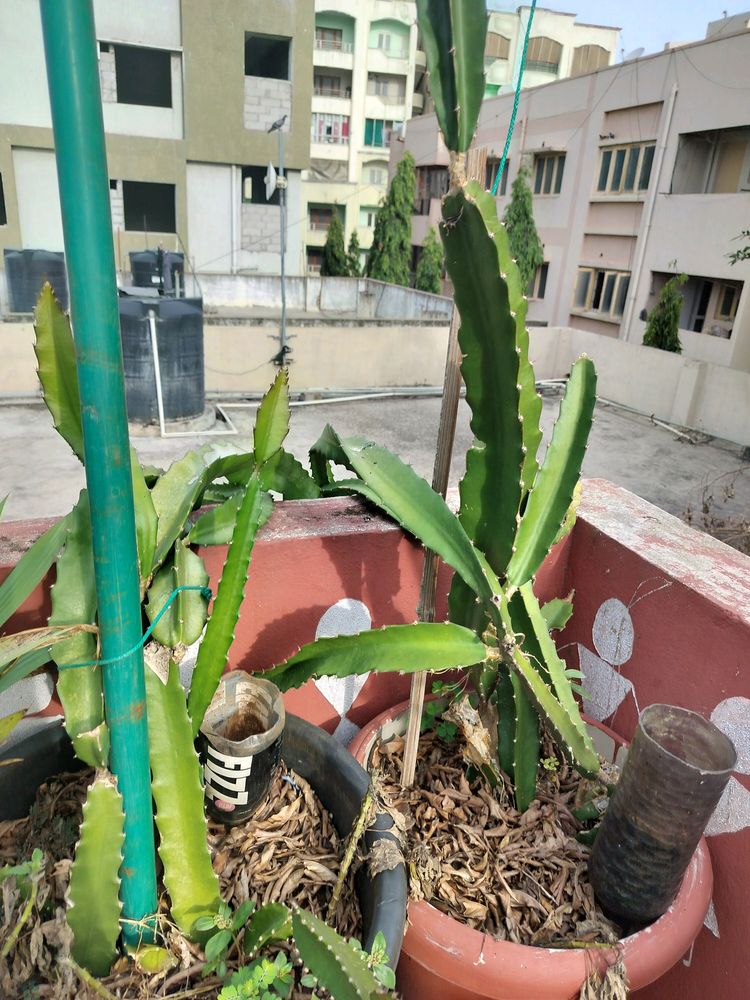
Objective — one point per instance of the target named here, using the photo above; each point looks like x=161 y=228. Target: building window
x=331 y=86
x=538 y=284
x=543 y=55
x=376 y=173
x=367 y=216
x=588 y=58
x=3 y=213
x=625 y=169
x=330 y=39
x=314 y=259
x=391 y=89
x=392 y=45
x=378 y=132
x=267 y=56
x=254 y=187
x=431 y=182
x=143 y=76
x=602 y=292
x=727 y=302
x=548 y=173
x=329 y=128
x=149 y=207
x=497 y=46
x=716 y=162
x=491 y=171
x=319 y=216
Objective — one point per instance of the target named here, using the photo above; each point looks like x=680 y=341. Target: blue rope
x=500 y=169
x=206 y=592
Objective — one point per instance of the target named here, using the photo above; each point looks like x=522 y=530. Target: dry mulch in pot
x=288 y=852
x=518 y=877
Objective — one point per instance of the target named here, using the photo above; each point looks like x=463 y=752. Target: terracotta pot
x=445 y=959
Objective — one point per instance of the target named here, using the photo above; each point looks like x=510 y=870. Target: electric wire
x=516 y=99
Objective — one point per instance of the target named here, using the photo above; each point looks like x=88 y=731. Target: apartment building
x=559 y=46
x=365 y=67
x=637 y=170
x=189 y=91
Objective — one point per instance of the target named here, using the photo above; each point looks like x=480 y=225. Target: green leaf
x=326 y=449
x=18 y=669
x=216 y=526
x=285 y=475
x=526 y=744
x=272 y=421
x=174 y=496
x=189 y=878
x=19 y=644
x=575 y=735
x=241 y=914
x=31 y=569
x=93 y=904
x=213 y=652
x=435 y=29
x=73 y=598
x=469 y=38
x=491 y=489
x=337 y=966
x=217 y=944
x=550 y=499
x=58 y=374
x=8 y=723
x=402 y=648
x=557 y=612
x=453 y=34
x=411 y=501
x=272 y=922
x=530 y=402
x=146 y=522
x=183 y=621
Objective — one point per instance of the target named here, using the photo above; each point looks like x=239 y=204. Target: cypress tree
x=335 y=263
x=389 y=258
x=525 y=244
x=430 y=266
x=662 y=328
x=352 y=256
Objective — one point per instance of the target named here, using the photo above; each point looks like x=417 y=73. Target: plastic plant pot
x=675 y=773
x=240 y=749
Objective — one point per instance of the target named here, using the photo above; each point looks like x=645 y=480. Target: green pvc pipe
x=73 y=79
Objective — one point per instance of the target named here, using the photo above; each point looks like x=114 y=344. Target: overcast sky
x=646 y=23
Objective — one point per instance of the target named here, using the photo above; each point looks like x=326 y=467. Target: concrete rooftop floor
x=43 y=478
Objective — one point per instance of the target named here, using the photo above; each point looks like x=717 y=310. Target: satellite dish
x=635 y=54
x=271 y=181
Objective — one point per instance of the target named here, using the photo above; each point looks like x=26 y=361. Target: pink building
x=633 y=167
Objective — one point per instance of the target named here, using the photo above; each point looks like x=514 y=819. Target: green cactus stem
x=93 y=904
x=336 y=965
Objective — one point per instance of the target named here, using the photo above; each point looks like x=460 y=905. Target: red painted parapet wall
x=662 y=613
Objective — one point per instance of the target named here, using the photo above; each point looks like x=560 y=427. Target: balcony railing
x=331 y=140
x=388 y=98
x=332 y=45
x=345 y=92
x=391 y=53
x=541 y=66
x=320 y=225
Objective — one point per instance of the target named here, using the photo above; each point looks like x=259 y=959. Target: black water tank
x=179 y=334
x=26 y=272
x=162 y=269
